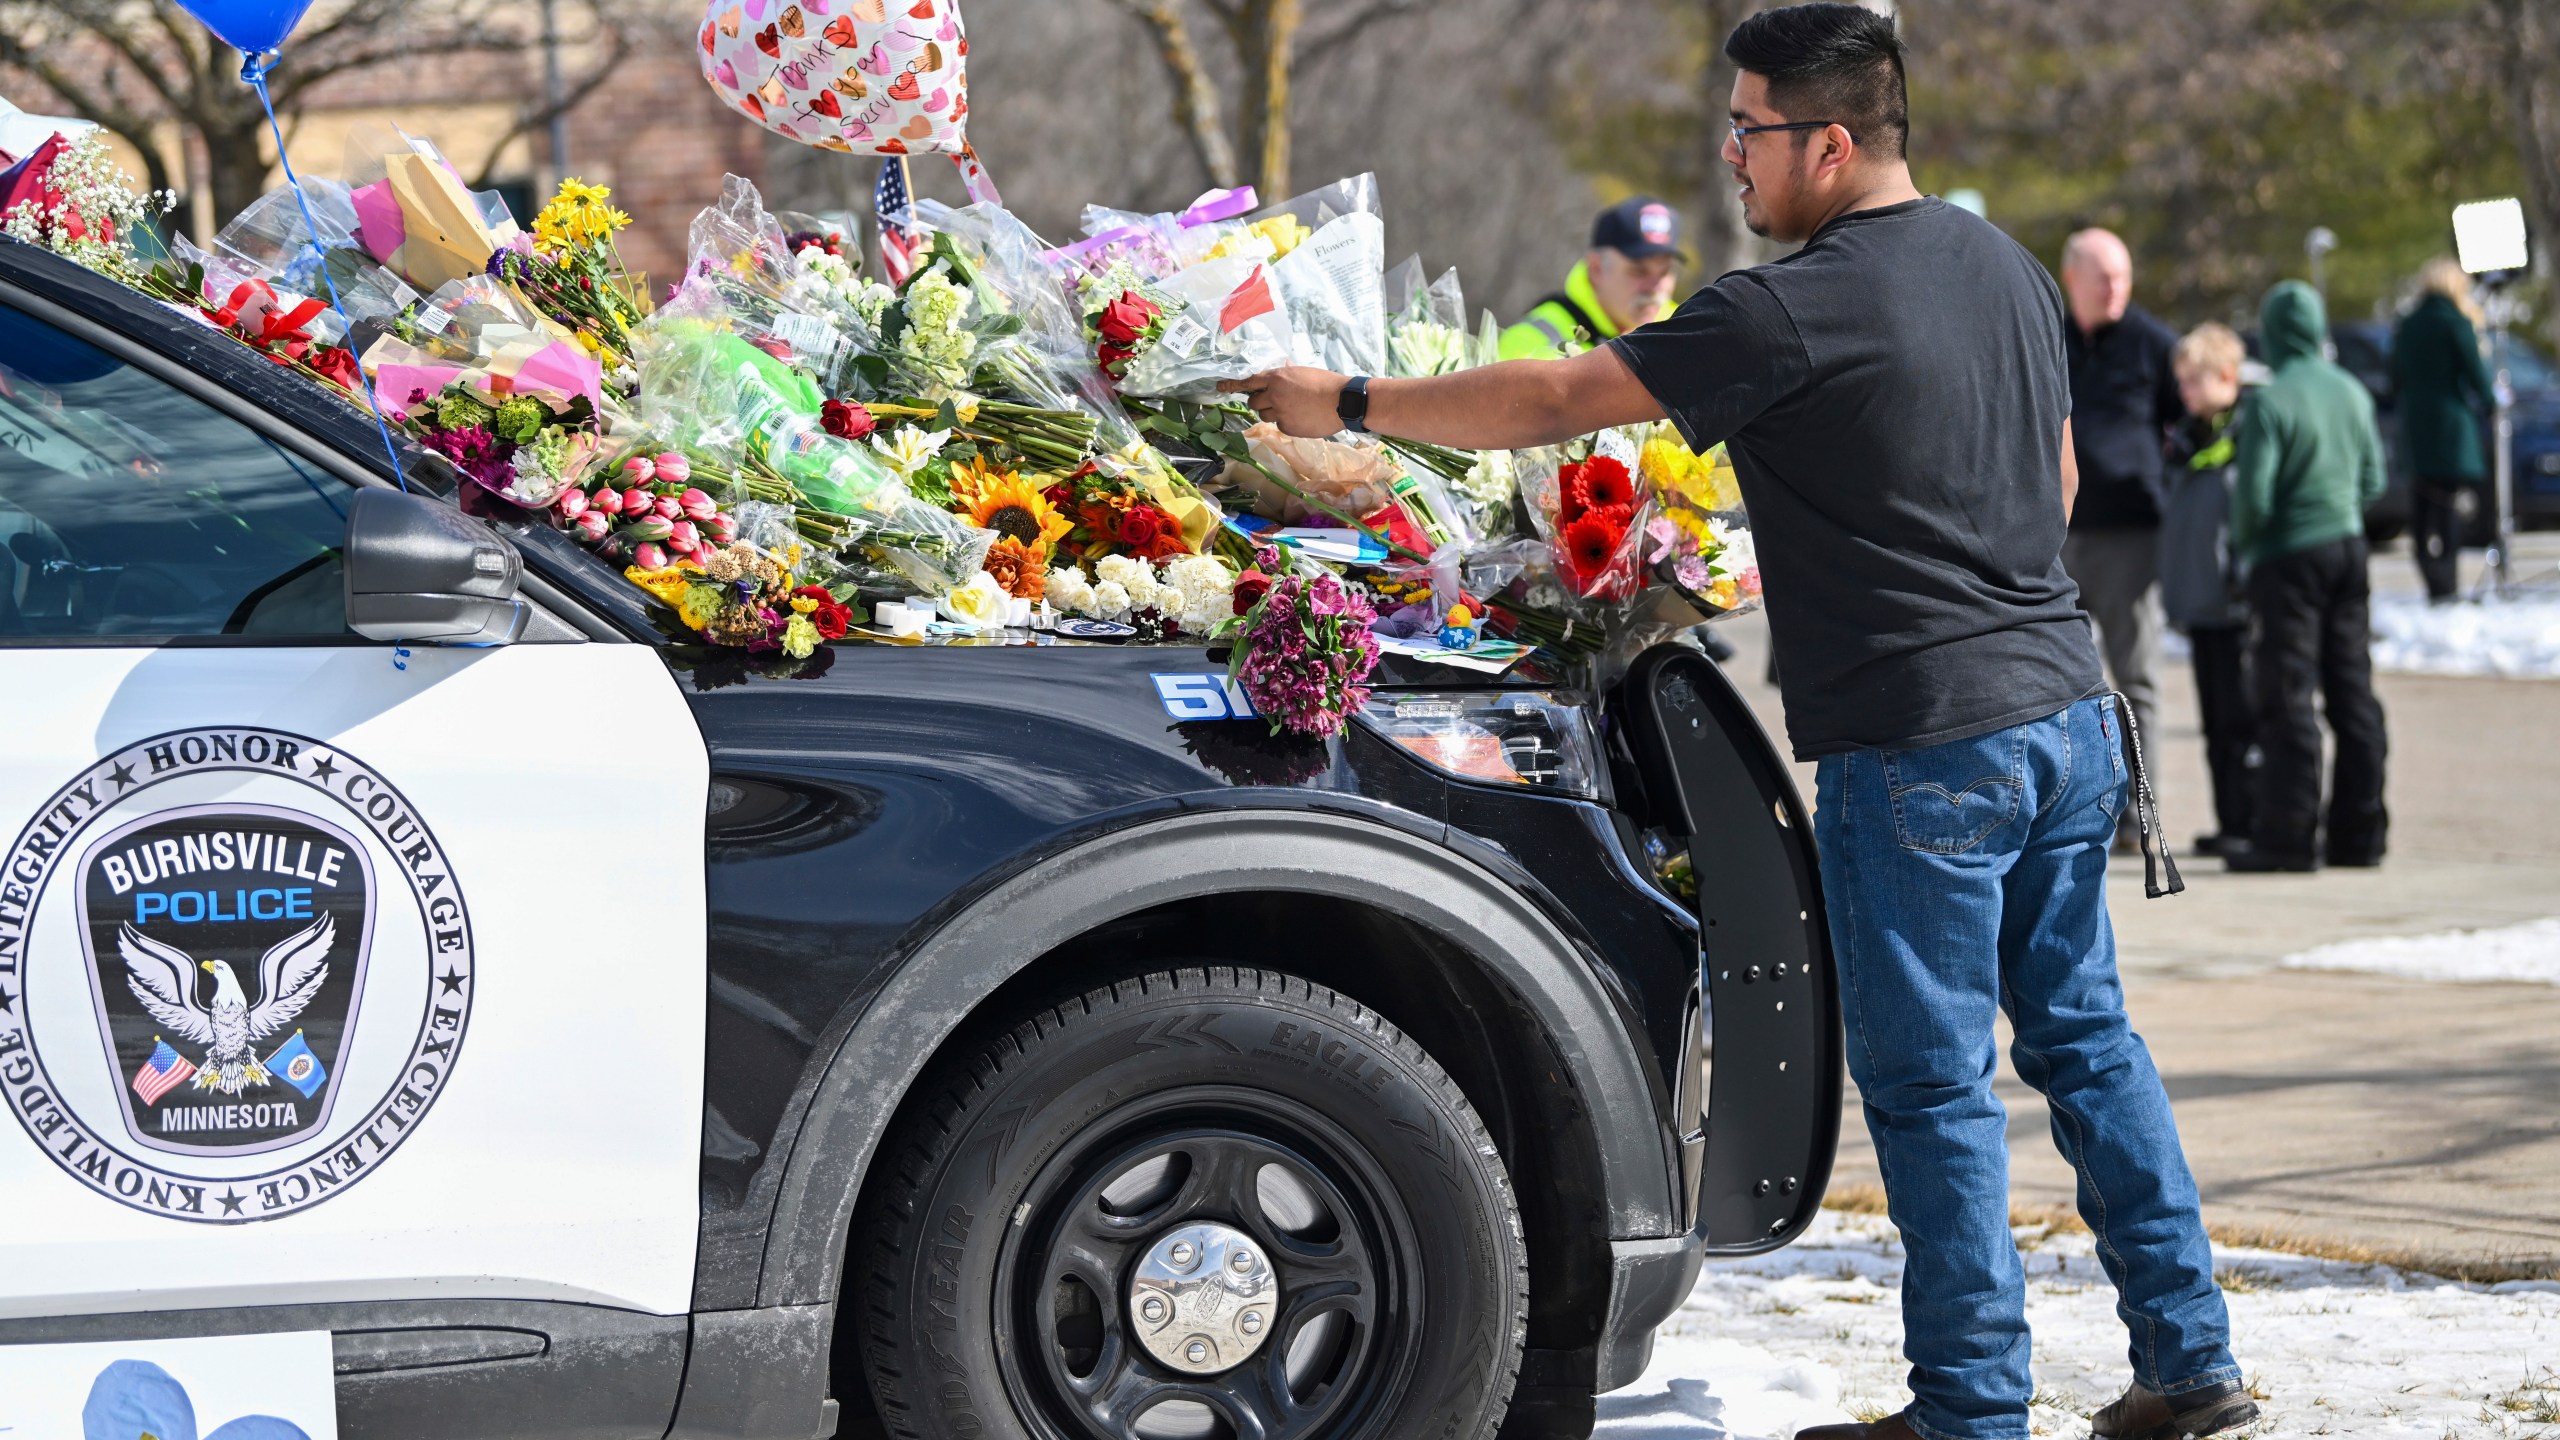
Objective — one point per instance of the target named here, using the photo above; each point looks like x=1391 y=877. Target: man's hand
x=1300 y=399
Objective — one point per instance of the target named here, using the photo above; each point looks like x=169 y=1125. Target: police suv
x=404 y=942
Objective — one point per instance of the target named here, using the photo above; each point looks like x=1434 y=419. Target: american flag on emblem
x=162 y=1073
x=895 y=207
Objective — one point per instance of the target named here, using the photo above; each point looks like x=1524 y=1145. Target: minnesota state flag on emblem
x=295 y=1065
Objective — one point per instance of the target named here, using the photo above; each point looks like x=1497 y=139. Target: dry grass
x=1869 y=1200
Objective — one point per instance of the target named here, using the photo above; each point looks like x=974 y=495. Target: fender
x=1183 y=857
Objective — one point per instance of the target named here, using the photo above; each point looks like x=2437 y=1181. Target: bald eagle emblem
x=163 y=978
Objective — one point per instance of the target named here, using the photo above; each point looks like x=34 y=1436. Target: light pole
x=2490 y=237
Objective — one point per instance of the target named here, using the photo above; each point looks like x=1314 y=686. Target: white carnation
x=1069 y=591
x=1111 y=600
x=1124 y=570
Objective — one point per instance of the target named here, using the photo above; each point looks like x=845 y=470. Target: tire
x=998 y=1259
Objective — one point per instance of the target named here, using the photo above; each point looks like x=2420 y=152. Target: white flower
x=980 y=603
x=1068 y=590
x=909 y=449
x=1111 y=600
x=1126 y=571
x=1199 y=592
x=1736 y=551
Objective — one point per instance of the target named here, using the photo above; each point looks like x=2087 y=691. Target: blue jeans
x=1971 y=875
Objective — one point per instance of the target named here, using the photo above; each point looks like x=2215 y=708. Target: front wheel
x=1204 y=1203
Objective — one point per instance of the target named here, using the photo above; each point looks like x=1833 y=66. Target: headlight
x=1515 y=737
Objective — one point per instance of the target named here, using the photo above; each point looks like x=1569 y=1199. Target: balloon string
x=253 y=69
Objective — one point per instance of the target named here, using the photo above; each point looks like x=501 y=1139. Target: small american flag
x=898 y=244
x=162 y=1073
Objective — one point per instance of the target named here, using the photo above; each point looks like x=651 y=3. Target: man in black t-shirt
x=1896 y=403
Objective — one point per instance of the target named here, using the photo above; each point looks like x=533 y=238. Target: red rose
x=1142 y=526
x=846 y=420
x=831 y=618
x=338 y=366
x=1061 y=495
x=1113 y=358
x=1128 y=320
x=1250 y=588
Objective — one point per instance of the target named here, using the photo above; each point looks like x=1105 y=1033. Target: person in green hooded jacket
x=2307 y=462
x=2444 y=387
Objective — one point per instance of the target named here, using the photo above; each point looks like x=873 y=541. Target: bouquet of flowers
x=1596 y=518
x=1698 y=539
x=1304 y=649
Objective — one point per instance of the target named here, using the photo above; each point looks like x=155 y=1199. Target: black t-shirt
x=2124 y=399
x=1893 y=397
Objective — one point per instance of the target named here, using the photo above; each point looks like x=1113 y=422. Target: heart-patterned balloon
x=879 y=77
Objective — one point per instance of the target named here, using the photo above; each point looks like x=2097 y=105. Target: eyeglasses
x=1742 y=133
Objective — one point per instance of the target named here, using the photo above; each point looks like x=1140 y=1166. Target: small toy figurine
x=1459 y=633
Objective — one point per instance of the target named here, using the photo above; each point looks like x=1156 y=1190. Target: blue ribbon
x=254 y=69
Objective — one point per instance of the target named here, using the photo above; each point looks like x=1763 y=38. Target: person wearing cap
x=1626 y=281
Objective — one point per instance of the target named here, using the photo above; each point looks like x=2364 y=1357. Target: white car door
x=329 y=970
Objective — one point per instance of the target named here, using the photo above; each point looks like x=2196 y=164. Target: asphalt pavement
x=2342 y=1114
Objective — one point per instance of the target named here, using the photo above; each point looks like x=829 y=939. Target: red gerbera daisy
x=1600 y=483
x=1591 y=542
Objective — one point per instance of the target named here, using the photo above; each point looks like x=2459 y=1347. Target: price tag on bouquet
x=866 y=77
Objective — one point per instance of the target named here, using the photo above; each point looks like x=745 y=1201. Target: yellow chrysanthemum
x=1008 y=504
x=577 y=215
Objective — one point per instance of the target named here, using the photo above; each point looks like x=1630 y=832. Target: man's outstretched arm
x=1516 y=405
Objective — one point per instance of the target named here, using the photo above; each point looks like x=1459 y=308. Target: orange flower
x=1018 y=568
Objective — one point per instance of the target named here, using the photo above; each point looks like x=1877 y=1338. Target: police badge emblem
x=243 y=971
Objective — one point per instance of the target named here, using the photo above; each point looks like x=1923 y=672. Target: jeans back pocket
x=1949 y=798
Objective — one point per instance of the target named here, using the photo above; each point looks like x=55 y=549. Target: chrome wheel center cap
x=1203 y=1298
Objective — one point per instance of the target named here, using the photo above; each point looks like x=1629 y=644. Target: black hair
x=1841 y=63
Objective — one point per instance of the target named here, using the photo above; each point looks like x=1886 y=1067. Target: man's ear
x=1839 y=151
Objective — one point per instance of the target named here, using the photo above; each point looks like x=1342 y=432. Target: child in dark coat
x=2199 y=586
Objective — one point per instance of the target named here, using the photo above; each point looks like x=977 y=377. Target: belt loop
x=2146 y=809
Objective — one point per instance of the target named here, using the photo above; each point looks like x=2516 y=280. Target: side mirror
x=424 y=573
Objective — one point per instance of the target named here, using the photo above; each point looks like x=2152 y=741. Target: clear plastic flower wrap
x=1331 y=275
x=1426 y=324
x=714 y=392
x=1229 y=327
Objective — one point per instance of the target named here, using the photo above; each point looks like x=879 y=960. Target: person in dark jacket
x=2307 y=464
x=2444 y=387
x=2199 y=584
x=2123 y=402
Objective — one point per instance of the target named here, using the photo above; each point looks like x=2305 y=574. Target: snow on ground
x=1812 y=1335
x=2518 y=639
x=2528 y=953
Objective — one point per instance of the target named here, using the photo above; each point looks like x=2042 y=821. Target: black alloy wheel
x=1201 y=1205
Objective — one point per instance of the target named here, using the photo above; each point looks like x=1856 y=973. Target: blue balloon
x=260 y=1427
x=134 y=1398
x=252 y=27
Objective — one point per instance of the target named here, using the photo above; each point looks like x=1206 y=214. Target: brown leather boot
x=2147 y=1415
x=1890 y=1427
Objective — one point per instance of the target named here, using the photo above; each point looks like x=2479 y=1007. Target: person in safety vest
x=1625 y=281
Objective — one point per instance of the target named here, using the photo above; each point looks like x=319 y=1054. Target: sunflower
x=1008 y=504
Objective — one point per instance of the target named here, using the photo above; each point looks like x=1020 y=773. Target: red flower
x=1062 y=496
x=1591 y=542
x=337 y=365
x=832 y=618
x=1128 y=320
x=1250 y=588
x=1600 y=483
x=846 y=420
x=1141 y=525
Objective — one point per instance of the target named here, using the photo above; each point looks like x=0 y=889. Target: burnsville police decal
x=242 y=971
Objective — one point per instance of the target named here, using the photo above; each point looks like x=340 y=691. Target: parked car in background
x=2364 y=348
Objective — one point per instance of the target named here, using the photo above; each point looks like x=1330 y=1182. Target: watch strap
x=1352 y=407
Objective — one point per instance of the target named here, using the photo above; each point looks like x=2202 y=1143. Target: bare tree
x=1266 y=40
x=132 y=65
x=2526 y=36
